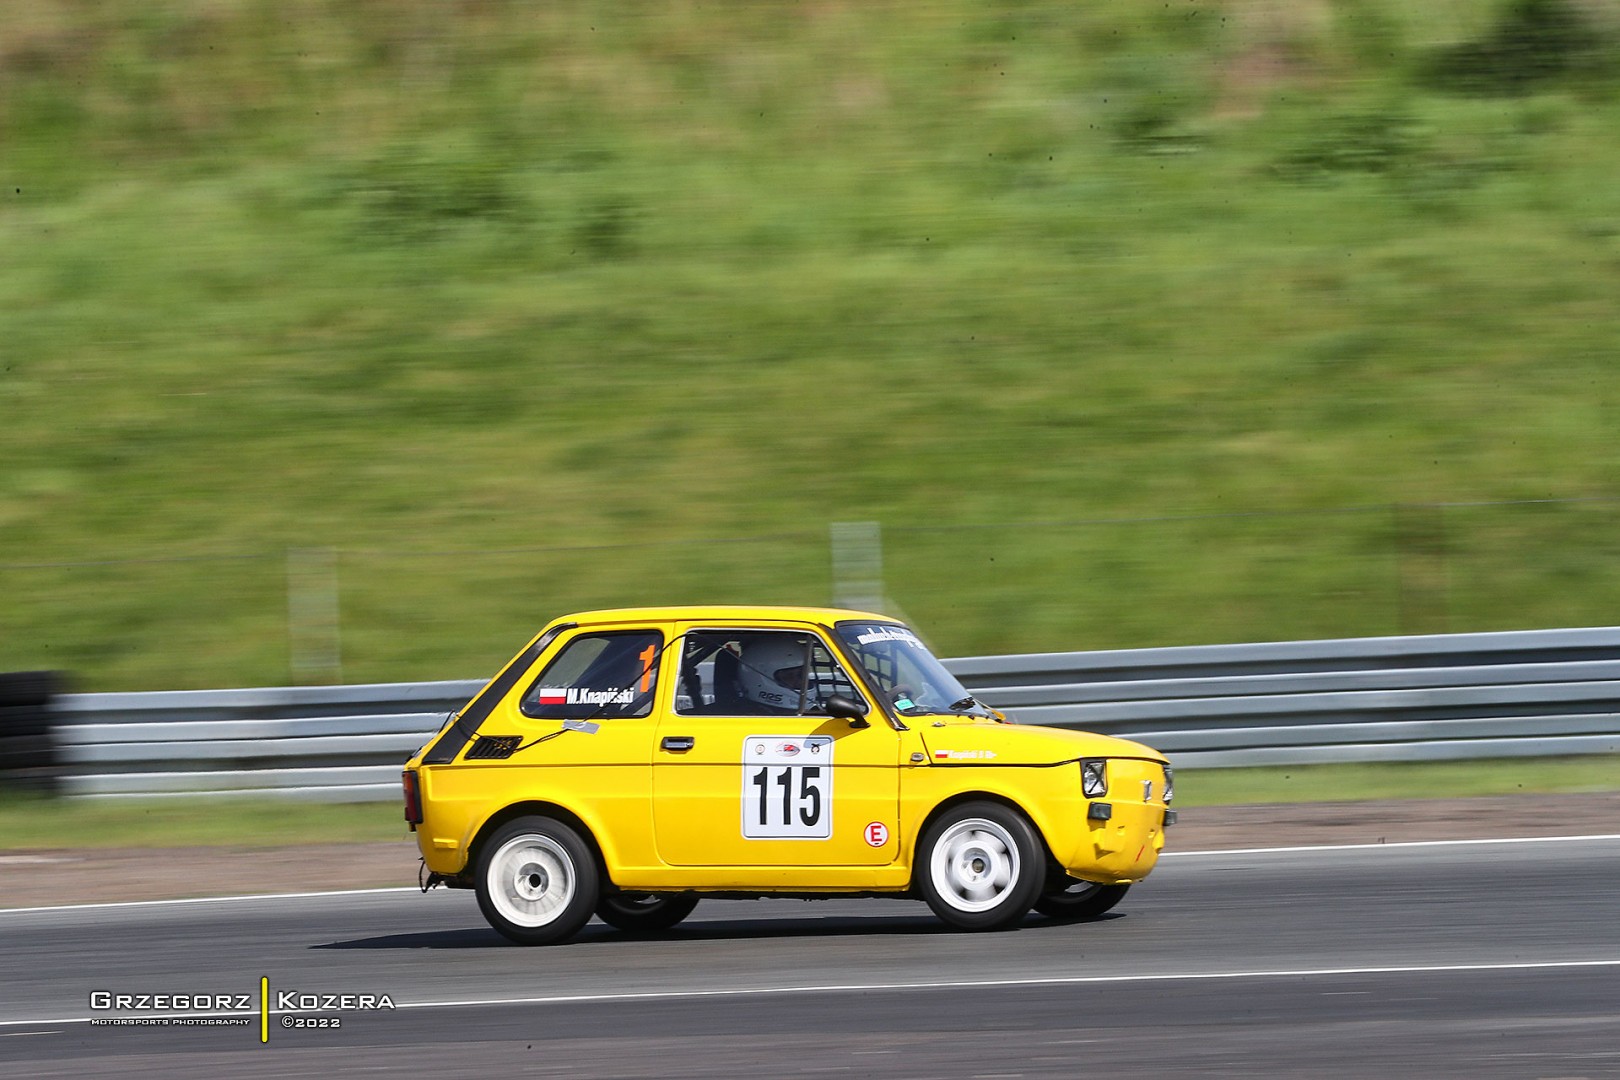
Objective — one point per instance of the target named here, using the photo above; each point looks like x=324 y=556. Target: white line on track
x=209 y=900
x=1397 y=844
x=1166 y=855
x=993 y=984
x=961 y=984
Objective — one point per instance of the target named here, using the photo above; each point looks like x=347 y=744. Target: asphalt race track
x=1471 y=959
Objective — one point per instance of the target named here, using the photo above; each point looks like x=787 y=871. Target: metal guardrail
x=1447 y=697
x=330 y=743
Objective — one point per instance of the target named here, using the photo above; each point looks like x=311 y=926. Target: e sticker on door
x=787 y=787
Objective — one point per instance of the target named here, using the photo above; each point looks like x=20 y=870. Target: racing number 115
x=783 y=796
x=807 y=802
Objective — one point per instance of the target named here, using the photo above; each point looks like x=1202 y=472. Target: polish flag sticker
x=553 y=696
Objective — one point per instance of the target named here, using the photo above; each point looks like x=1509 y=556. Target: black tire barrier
x=26 y=752
x=29 y=687
x=29 y=760
x=25 y=720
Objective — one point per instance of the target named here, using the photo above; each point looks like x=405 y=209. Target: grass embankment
x=1414 y=780
x=29 y=823
x=474 y=295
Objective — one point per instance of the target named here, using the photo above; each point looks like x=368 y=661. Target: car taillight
x=413 y=799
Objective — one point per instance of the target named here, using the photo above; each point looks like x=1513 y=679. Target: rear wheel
x=1072 y=899
x=537 y=881
x=645 y=913
x=981 y=866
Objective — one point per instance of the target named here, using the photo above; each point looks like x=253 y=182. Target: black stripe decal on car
x=477 y=711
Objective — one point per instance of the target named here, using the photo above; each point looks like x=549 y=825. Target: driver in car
x=771 y=675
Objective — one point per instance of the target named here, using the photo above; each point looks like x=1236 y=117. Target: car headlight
x=1094 y=779
x=1169 y=785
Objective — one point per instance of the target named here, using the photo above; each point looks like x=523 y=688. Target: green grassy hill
x=1131 y=323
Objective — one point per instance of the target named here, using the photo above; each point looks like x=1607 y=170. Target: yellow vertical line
x=264 y=1008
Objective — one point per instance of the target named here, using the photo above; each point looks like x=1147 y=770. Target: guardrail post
x=857 y=565
x=312 y=615
x=1421 y=570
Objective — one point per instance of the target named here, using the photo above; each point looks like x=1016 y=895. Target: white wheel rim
x=531 y=880
x=974 y=865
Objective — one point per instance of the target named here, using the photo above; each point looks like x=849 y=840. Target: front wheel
x=645 y=913
x=981 y=866
x=1074 y=899
x=537 y=881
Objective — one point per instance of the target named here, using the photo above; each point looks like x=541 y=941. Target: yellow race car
x=628 y=763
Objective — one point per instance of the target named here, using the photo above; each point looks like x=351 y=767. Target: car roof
x=722 y=613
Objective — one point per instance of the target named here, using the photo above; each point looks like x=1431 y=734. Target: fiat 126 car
x=628 y=763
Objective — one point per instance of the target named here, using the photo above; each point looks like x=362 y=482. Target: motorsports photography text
x=259 y=1010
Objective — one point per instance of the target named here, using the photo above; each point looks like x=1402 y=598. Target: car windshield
x=905 y=672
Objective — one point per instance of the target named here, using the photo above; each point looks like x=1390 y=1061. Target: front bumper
x=1122 y=837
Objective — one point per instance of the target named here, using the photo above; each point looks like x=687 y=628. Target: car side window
x=598 y=676
x=757 y=673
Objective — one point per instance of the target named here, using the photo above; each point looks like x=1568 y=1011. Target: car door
x=605 y=679
x=741 y=779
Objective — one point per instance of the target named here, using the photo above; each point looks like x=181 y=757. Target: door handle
x=678 y=743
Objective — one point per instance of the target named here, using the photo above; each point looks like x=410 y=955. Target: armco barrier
x=1521 y=693
x=332 y=743
x=1454 y=696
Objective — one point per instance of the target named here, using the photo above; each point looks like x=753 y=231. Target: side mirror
x=844 y=708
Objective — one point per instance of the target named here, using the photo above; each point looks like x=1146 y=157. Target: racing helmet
x=771 y=671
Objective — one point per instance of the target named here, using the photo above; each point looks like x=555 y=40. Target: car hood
x=971 y=740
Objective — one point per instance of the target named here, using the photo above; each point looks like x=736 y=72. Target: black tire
x=980 y=866
x=1075 y=899
x=537 y=881
x=644 y=913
